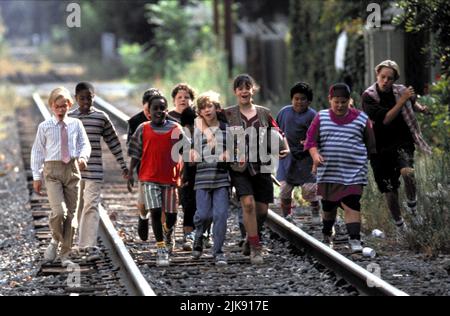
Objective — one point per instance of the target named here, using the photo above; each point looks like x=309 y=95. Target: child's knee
x=248 y=204
x=407 y=173
x=309 y=192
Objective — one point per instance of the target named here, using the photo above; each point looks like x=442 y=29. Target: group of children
x=193 y=152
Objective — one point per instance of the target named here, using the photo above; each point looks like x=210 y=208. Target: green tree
x=176 y=39
x=432 y=17
x=314 y=29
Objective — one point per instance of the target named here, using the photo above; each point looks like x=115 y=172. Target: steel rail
x=367 y=283
x=132 y=275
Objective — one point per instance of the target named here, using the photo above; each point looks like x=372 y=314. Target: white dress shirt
x=47 y=145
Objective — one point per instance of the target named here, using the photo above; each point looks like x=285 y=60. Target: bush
x=430 y=229
x=436 y=127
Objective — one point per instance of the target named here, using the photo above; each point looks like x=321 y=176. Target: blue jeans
x=212 y=204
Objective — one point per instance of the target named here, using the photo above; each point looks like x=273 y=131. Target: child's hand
x=37 y=185
x=130 y=183
x=317 y=161
x=283 y=154
x=125 y=173
x=82 y=164
x=407 y=94
x=194 y=156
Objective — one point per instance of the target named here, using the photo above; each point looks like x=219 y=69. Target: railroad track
x=114 y=274
x=357 y=277
x=296 y=264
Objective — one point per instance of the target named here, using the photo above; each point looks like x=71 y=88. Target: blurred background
x=207 y=42
x=124 y=47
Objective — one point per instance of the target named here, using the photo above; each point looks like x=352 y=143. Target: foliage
x=184 y=49
x=429 y=228
x=314 y=28
x=436 y=127
x=433 y=17
x=2 y=34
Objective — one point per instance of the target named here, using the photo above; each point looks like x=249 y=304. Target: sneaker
x=93 y=254
x=256 y=255
x=355 y=245
x=162 y=257
x=246 y=248
x=66 y=262
x=221 y=260
x=50 y=252
x=207 y=242
x=143 y=228
x=289 y=218
x=188 y=240
x=198 y=248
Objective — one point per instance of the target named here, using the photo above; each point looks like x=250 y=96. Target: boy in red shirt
x=152 y=144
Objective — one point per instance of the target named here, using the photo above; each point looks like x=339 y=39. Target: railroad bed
x=290 y=267
x=109 y=275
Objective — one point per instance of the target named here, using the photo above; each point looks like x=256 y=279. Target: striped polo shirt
x=98 y=125
x=212 y=174
x=344 y=151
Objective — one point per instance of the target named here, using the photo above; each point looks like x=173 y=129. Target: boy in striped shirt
x=97 y=125
x=340 y=141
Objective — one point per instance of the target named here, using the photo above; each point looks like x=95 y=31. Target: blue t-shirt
x=296 y=167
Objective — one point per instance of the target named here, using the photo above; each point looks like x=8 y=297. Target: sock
x=327 y=226
x=254 y=241
x=157 y=225
x=171 y=219
x=399 y=223
x=286 y=207
x=354 y=230
x=54 y=241
x=145 y=217
x=412 y=205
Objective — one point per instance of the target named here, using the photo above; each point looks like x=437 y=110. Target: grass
x=430 y=235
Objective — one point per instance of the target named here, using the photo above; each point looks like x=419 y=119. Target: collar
x=56 y=122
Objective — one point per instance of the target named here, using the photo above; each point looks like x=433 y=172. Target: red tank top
x=156 y=163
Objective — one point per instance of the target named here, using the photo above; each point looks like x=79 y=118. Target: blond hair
x=209 y=97
x=57 y=93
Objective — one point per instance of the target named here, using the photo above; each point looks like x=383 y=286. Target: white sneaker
x=355 y=245
x=50 y=252
x=256 y=255
x=221 y=260
x=162 y=257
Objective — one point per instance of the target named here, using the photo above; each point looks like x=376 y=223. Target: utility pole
x=229 y=35
x=216 y=17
